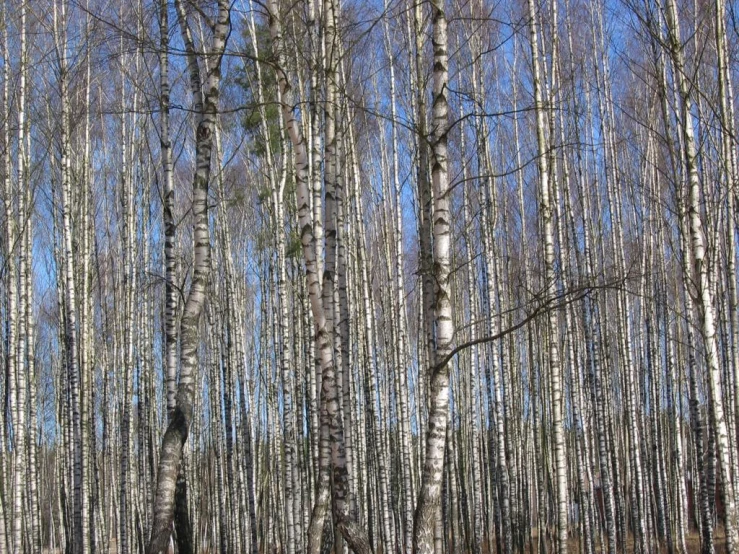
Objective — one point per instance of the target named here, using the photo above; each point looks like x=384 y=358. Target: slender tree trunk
x=555 y=370
x=429 y=498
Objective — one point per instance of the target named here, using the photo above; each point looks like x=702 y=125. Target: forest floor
x=692 y=544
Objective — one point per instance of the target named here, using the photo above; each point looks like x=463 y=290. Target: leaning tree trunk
x=205 y=100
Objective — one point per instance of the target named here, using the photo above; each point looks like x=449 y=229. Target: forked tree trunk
x=205 y=107
x=332 y=460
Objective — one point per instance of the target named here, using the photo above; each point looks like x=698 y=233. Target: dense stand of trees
x=389 y=276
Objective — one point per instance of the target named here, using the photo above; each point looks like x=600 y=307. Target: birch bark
x=429 y=498
x=555 y=370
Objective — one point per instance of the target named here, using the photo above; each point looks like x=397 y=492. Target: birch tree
x=205 y=92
